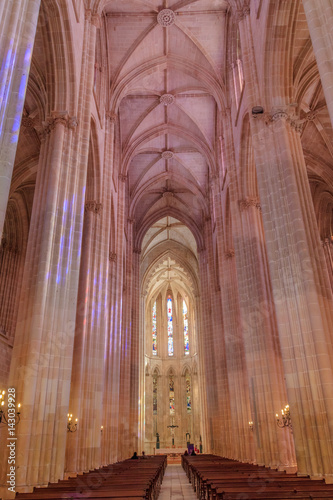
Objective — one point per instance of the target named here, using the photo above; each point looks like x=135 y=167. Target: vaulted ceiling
x=166 y=70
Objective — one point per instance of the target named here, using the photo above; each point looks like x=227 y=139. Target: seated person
x=135 y=456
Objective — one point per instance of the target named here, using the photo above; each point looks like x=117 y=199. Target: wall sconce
x=102 y=428
x=257 y=110
x=251 y=425
x=71 y=426
x=285 y=420
x=9 y=413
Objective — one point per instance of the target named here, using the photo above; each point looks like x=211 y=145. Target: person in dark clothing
x=135 y=456
x=193 y=453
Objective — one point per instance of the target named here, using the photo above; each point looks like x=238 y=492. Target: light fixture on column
x=285 y=420
x=9 y=415
x=251 y=425
x=71 y=426
x=102 y=428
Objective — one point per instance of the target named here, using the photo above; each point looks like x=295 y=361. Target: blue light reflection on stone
x=4 y=89
x=21 y=94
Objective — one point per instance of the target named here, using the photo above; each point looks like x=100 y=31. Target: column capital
x=93 y=17
x=243 y=12
x=111 y=116
x=286 y=113
x=112 y=257
x=93 y=206
x=59 y=117
x=230 y=253
x=248 y=202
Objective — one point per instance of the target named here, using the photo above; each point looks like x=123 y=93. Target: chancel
x=166 y=221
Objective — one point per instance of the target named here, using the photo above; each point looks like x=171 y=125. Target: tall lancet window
x=185 y=321
x=154 y=330
x=170 y=326
x=188 y=392
x=155 y=393
x=172 y=395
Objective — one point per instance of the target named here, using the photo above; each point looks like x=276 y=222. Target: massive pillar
x=42 y=354
x=300 y=287
x=17 y=35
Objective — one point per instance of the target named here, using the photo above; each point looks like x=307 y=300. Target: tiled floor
x=175 y=485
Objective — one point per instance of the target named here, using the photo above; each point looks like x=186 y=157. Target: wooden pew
x=218 y=478
x=132 y=479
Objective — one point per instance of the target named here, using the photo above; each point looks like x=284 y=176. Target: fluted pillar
x=273 y=446
x=319 y=15
x=42 y=354
x=212 y=352
x=241 y=439
x=328 y=251
x=301 y=291
x=17 y=35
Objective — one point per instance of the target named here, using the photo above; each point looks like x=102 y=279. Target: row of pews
x=131 y=479
x=215 y=478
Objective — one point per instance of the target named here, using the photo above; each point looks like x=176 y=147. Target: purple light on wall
x=21 y=94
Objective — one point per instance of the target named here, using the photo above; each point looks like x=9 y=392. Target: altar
x=167 y=451
x=173 y=454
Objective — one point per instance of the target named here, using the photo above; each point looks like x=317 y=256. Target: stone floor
x=175 y=485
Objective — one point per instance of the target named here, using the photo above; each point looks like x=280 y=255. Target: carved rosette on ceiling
x=167 y=99
x=27 y=122
x=168 y=194
x=166 y=18
x=311 y=115
x=167 y=155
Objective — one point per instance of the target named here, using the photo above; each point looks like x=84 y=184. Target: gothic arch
x=146 y=223
x=59 y=54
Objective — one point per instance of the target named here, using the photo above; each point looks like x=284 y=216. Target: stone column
x=319 y=15
x=240 y=442
x=17 y=35
x=212 y=353
x=83 y=448
x=328 y=251
x=273 y=446
x=301 y=291
x=42 y=355
x=112 y=334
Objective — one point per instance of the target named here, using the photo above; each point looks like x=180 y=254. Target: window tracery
x=185 y=321
x=154 y=330
x=170 y=326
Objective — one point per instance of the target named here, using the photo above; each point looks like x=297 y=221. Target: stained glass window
x=170 y=326
x=154 y=330
x=155 y=393
x=185 y=320
x=172 y=395
x=188 y=393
